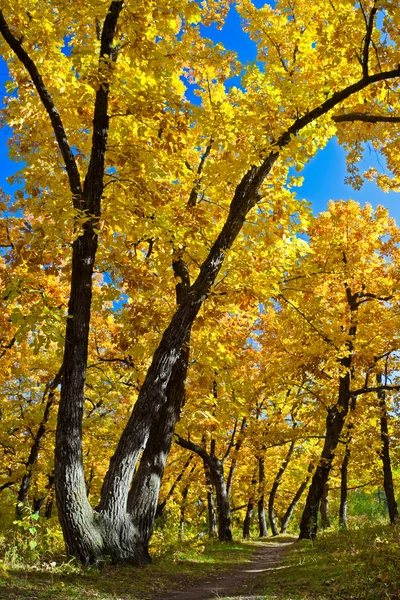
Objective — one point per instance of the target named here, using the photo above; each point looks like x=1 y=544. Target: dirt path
x=242 y=582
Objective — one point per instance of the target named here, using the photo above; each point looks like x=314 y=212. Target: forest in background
x=198 y=351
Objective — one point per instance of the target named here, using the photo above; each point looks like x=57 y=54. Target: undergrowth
x=350 y=565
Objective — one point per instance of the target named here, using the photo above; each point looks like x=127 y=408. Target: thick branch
x=58 y=127
x=367 y=41
x=333 y=101
x=367 y=390
x=93 y=184
x=194 y=448
x=350 y=117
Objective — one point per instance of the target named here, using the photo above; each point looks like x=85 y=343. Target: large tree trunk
x=262 y=521
x=289 y=513
x=143 y=496
x=385 y=456
x=274 y=489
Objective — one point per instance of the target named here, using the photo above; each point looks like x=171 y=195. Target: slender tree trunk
x=238 y=445
x=344 y=470
x=211 y=516
x=262 y=521
x=161 y=506
x=385 y=456
x=343 y=489
x=38 y=502
x=324 y=508
x=48 y=511
x=224 y=513
x=185 y=494
x=289 y=513
x=334 y=425
x=274 y=489
x=250 y=509
x=216 y=467
x=248 y=518
x=34 y=453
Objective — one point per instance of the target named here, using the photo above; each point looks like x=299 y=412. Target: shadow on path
x=243 y=582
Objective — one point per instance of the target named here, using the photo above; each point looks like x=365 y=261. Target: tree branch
x=93 y=184
x=367 y=390
x=350 y=117
x=367 y=41
x=58 y=127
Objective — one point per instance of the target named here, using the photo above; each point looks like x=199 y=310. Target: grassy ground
x=355 y=565
x=47 y=581
x=359 y=565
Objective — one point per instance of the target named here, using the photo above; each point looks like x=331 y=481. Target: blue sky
x=323 y=176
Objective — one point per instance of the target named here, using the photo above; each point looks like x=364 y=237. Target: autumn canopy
x=179 y=335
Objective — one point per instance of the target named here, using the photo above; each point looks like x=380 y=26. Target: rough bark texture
x=274 y=489
x=143 y=496
x=83 y=535
x=385 y=457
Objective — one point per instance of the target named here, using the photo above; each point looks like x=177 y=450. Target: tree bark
x=262 y=521
x=248 y=518
x=90 y=535
x=216 y=467
x=211 y=516
x=34 y=453
x=334 y=425
x=344 y=470
x=185 y=494
x=161 y=506
x=274 y=489
x=249 y=511
x=324 y=508
x=385 y=456
x=289 y=513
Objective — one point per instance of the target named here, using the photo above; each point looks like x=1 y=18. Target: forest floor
x=244 y=579
x=361 y=564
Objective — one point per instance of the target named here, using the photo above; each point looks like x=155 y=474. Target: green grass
x=361 y=564
x=352 y=565
x=190 y=563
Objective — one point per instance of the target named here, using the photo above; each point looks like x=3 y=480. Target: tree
x=313 y=71
x=339 y=293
